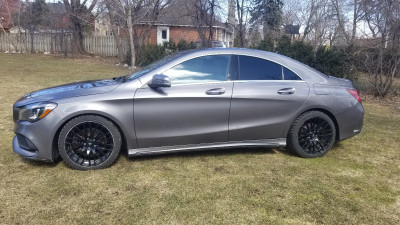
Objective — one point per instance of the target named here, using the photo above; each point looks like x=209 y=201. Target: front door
x=194 y=110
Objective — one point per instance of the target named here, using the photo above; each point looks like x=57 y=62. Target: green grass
x=357 y=182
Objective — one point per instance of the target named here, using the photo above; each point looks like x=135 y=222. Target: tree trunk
x=77 y=40
x=130 y=30
x=114 y=29
x=78 y=14
x=32 y=33
x=240 y=11
x=121 y=54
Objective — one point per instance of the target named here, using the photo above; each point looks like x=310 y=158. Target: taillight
x=354 y=93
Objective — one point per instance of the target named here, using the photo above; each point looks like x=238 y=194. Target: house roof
x=179 y=13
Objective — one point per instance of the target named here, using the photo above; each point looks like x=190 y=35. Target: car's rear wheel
x=89 y=142
x=311 y=135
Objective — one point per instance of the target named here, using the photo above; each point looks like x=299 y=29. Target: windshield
x=154 y=65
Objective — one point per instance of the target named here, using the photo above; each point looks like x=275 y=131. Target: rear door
x=265 y=97
x=194 y=110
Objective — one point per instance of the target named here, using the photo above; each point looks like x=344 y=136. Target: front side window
x=200 y=70
x=253 y=68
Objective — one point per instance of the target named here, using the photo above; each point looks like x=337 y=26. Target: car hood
x=69 y=90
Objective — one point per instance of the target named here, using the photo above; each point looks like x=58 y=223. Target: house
x=7 y=9
x=172 y=24
x=175 y=23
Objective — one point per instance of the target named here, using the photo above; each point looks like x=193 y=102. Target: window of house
x=200 y=70
x=162 y=35
x=253 y=68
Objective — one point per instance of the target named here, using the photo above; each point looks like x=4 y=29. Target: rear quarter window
x=253 y=68
x=289 y=75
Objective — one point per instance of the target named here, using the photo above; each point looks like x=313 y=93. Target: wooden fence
x=59 y=43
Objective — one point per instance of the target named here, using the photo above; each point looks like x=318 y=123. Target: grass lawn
x=357 y=182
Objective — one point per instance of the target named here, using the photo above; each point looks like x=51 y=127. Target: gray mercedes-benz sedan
x=194 y=100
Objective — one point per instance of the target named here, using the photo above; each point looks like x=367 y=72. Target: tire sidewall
x=90 y=118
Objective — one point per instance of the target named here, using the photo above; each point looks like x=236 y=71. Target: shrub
x=284 y=46
x=267 y=44
x=150 y=53
x=333 y=61
x=184 y=45
x=303 y=52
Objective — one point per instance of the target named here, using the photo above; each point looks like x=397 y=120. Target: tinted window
x=252 y=68
x=200 y=70
x=233 y=68
x=290 y=75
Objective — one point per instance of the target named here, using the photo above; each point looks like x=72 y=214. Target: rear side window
x=289 y=75
x=200 y=70
x=252 y=68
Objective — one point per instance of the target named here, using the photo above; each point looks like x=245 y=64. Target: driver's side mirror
x=160 y=80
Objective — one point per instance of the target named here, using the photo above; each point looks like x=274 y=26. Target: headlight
x=36 y=111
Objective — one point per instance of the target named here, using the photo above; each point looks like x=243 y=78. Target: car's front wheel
x=311 y=135
x=89 y=142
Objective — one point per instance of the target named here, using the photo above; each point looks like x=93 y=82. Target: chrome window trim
x=269 y=81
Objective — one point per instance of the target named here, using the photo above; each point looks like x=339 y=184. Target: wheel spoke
x=315 y=135
x=89 y=144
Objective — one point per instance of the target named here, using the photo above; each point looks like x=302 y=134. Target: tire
x=312 y=134
x=89 y=142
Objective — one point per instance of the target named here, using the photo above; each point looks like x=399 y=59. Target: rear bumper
x=350 y=121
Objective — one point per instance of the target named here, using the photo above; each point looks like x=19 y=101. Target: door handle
x=287 y=91
x=216 y=91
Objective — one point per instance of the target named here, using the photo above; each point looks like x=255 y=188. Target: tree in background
x=242 y=10
x=382 y=55
x=80 y=16
x=268 y=14
x=131 y=12
x=348 y=26
x=33 y=17
x=203 y=13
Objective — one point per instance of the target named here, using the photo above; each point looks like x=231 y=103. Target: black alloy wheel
x=312 y=134
x=89 y=142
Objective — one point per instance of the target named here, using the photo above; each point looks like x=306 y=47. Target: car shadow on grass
x=209 y=152
x=36 y=163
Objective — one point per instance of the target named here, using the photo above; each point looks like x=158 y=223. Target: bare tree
x=80 y=18
x=203 y=14
x=134 y=13
x=315 y=16
x=33 y=17
x=382 y=55
x=348 y=14
x=242 y=8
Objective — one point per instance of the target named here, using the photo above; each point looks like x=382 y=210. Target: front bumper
x=36 y=140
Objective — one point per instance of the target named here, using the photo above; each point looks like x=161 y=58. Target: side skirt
x=279 y=142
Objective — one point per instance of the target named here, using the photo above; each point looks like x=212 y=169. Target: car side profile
x=193 y=100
